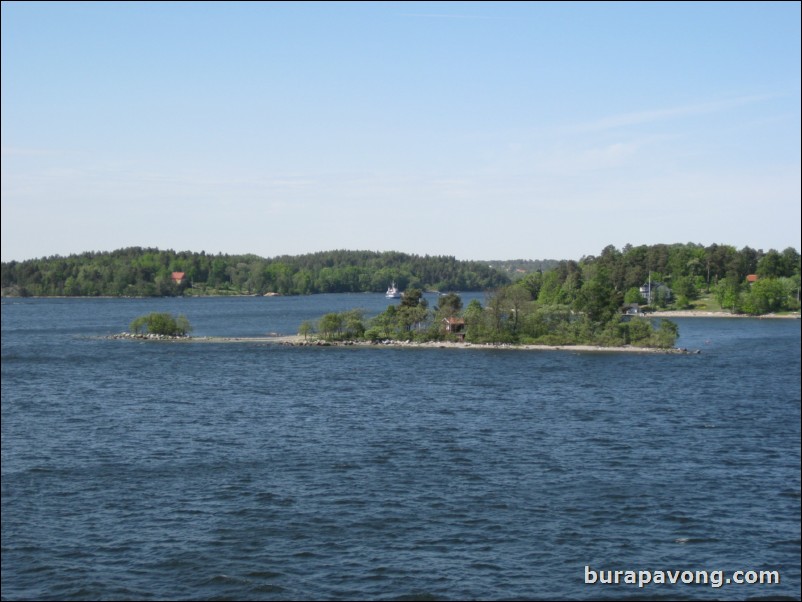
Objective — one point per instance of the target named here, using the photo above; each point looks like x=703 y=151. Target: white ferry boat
x=392 y=292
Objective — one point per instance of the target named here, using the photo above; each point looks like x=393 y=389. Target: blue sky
x=479 y=130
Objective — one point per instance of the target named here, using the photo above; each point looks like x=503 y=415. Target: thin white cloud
x=649 y=116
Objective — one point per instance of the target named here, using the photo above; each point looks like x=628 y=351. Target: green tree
x=550 y=289
x=791 y=261
x=182 y=325
x=685 y=286
x=412 y=298
x=412 y=317
x=728 y=294
x=519 y=302
x=386 y=323
x=633 y=296
x=353 y=324
x=666 y=335
x=597 y=298
x=449 y=305
x=162 y=324
x=532 y=283
x=548 y=325
x=765 y=296
x=305 y=329
x=330 y=325
x=474 y=320
x=771 y=265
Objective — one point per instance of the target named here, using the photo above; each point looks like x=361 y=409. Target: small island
x=573 y=311
x=158 y=325
x=510 y=317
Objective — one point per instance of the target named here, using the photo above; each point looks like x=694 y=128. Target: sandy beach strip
x=696 y=313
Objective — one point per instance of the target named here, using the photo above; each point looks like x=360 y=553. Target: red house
x=178 y=278
x=455 y=326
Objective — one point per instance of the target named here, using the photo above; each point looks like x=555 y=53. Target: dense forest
x=746 y=280
x=599 y=300
x=743 y=281
x=138 y=272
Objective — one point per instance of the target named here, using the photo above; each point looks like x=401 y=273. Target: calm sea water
x=251 y=471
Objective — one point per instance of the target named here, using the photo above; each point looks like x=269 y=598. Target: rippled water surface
x=255 y=471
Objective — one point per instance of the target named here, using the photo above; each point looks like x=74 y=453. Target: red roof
x=178 y=275
x=751 y=277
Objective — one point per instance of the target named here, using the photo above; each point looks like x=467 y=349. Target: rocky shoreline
x=295 y=342
x=151 y=337
x=300 y=341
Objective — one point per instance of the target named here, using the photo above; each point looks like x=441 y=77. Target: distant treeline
x=138 y=272
x=688 y=270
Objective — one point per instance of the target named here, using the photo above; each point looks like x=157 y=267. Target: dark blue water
x=254 y=471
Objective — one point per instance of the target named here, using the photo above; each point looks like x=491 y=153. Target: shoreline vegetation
x=680 y=276
x=300 y=340
x=620 y=300
x=593 y=315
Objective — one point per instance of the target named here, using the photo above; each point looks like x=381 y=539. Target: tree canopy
x=140 y=272
x=162 y=324
x=597 y=283
x=510 y=315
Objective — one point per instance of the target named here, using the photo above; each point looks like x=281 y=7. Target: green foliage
x=412 y=297
x=597 y=298
x=343 y=325
x=593 y=319
x=139 y=325
x=685 y=287
x=666 y=335
x=593 y=286
x=330 y=325
x=386 y=323
x=399 y=322
x=353 y=324
x=474 y=316
x=633 y=296
x=767 y=295
x=182 y=325
x=147 y=272
x=162 y=324
x=682 y=302
x=509 y=317
x=551 y=292
x=661 y=298
x=306 y=329
x=728 y=294
x=449 y=305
